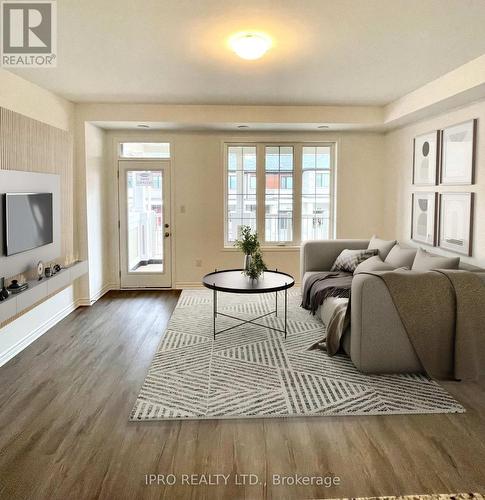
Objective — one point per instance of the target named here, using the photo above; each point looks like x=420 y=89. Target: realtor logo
x=29 y=34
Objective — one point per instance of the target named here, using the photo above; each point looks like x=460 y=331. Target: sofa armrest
x=379 y=342
x=481 y=276
x=320 y=255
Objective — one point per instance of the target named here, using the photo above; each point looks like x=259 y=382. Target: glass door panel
x=145 y=221
x=144 y=225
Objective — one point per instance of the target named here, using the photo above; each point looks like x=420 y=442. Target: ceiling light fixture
x=143 y=125
x=243 y=126
x=322 y=126
x=250 y=45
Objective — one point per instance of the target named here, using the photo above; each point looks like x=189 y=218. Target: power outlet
x=198 y=262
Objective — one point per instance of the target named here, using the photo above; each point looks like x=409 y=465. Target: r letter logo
x=29 y=34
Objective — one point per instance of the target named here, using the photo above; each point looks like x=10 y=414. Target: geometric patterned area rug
x=251 y=371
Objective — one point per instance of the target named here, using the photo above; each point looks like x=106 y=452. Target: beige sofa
x=376 y=340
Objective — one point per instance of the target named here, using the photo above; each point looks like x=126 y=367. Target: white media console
x=39 y=290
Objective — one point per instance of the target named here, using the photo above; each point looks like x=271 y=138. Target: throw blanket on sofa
x=319 y=286
x=336 y=318
x=443 y=313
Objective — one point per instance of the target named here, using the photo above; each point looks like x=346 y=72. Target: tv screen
x=29 y=222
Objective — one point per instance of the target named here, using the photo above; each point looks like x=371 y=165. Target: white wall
x=398 y=178
x=197 y=173
x=33 y=101
x=98 y=203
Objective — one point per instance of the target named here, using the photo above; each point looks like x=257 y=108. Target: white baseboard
x=179 y=285
x=90 y=301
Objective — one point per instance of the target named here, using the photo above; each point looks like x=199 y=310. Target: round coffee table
x=234 y=281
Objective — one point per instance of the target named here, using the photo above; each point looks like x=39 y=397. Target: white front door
x=145 y=224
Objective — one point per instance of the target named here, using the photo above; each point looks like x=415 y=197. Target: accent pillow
x=383 y=246
x=373 y=264
x=401 y=257
x=348 y=260
x=427 y=261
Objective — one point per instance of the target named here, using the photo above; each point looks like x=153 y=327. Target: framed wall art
x=456 y=222
x=423 y=221
x=425 y=160
x=458 y=153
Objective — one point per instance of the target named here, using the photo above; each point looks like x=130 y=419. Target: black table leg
x=276 y=306
x=286 y=307
x=214 y=311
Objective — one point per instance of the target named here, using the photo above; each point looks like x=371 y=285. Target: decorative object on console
x=48 y=272
x=423 y=218
x=4 y=293
x=458 y=153
x=40 y=270
x=425 y=164
x=56 y=268
x=16 y=287
x=456 y=222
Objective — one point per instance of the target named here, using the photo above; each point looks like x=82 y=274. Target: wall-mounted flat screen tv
x=28 y=221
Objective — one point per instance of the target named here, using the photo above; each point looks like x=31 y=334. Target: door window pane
x=145 y=221
x=145 y=150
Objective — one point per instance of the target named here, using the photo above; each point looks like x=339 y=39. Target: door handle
x=167 y=234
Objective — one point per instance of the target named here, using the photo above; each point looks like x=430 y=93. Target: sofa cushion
x=348 y=260
x=401 y=257
x=427 y=261
x=383 y=246
x=373 y=264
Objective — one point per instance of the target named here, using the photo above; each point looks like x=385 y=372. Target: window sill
x=282 y=248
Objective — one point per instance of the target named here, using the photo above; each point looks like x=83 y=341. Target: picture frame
x=426 y=151
x=458 y=151
x=456 y=222
x=424 y=217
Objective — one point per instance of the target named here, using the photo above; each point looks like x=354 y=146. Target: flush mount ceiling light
x=250 y=45
x=322 y=126
x=143 y=125
x=243 y=126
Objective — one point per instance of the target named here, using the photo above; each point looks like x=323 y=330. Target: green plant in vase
x=256 y=266
x=248 y=243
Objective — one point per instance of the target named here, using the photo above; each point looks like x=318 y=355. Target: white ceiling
x=325 y=51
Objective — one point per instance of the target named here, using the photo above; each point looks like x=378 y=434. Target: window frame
x=297 y=188
x=143 y=141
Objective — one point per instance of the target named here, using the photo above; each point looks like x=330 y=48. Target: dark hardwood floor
x=65 y=434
